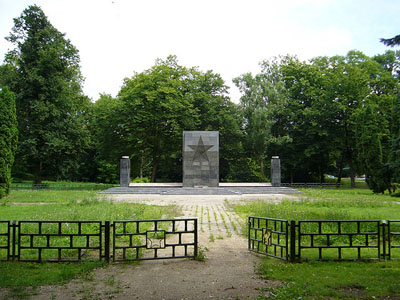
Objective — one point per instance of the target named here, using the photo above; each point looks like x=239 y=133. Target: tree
x=392 y=42
x=43 y=71
x=321 y=112
x=307 y=119
x=156 y=111
x=390 y=61
x=152 y=109
x=8 y=138
x=106 y=130
x=216 y=112
x=263 y=96
x=370 y=137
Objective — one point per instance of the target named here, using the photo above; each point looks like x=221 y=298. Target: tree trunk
x=141 y=167
x=262 y=170
x=340 y=170
x=38 y=174
x=352 y=174
x=349 y=157
x=154 y=171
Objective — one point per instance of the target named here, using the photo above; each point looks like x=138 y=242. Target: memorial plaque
x=200 y=158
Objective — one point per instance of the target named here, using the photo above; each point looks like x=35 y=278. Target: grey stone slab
x=125 y=171
x=275 y=171
x=200 y=158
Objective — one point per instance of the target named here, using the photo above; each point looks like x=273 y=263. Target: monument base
x=232 y=189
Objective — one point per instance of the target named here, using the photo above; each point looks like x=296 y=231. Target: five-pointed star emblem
x=200 y=150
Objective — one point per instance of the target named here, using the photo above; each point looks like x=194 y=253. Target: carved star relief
x=200 y=150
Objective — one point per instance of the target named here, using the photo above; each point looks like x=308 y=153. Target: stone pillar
x=275 y=171
x=125 y=171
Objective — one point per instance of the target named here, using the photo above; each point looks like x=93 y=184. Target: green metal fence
x=61 y=186
x=324 y=239
x=72 y=241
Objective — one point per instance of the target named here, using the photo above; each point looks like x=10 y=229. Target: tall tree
x=348 y=86
x=8 y=138
x=157 y=110
x=307 y=118
x=390 y=61
x=216 y=112
x=106 y=129
x=43 y=71
x=372 y=135
x=263 y=96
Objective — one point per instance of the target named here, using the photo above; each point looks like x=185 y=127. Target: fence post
x=384 y=224
x=196 y=244
x=107 y=241
x=248 y=236
x=292 y=240
x=14 y=238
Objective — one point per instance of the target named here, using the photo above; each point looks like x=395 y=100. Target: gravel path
x=227 y=273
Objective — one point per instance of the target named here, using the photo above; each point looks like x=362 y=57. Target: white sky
x=117 y=37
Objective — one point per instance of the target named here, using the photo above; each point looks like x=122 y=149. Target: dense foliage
x=8 y=138
x=328 y=115
x=43 y=72
x=152 y=110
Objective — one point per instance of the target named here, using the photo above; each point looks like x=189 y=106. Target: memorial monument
x=200 y=158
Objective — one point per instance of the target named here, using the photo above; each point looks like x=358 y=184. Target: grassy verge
x=63 y=205
x=327 y=204
x=330 y=280
x=47 y=196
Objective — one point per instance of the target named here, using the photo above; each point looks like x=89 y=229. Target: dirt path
x=227 y=273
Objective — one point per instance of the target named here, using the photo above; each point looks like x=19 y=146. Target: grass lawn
x=48 y=196
x=331 y=279
x=63 y=205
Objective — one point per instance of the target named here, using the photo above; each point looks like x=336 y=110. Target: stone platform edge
x=221 y=184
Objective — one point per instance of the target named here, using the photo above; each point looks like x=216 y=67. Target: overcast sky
x=117 y=37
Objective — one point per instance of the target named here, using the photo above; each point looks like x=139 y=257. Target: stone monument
x=125 y=171
x=200 y=158
x=275 y=171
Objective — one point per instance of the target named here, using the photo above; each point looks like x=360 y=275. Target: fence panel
x=269 y=237
x=61 y=186
x=348 y=237
x=59 y=240
x=393 y=239
x=310 y=185
x=154 y=239
x=5 y=239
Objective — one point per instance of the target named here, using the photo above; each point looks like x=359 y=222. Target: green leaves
x=43 y=72
x=154 y=107
x=8 y=138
